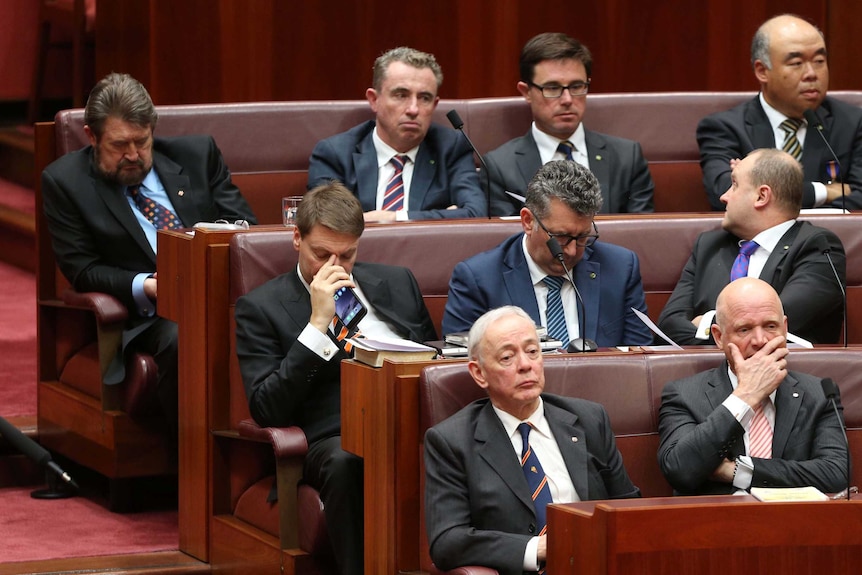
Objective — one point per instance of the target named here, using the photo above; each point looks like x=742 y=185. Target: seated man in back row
x=290 y=346
x=493 y=467
x=790 y=62
x=750 y=422
x=400 y=165
x=556 y=71
x=562 y=200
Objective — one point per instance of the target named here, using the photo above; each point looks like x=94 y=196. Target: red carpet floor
x=17 y=342
x=32 y=530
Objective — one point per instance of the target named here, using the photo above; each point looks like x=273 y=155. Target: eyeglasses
x=582 y=241
x=555 y=91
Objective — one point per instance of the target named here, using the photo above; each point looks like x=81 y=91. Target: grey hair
x=119 y=96
x=567 y=181
x=481 y=325
x=408 y=56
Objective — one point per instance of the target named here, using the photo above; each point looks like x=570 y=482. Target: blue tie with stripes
x=540 y=491
x=556 y=317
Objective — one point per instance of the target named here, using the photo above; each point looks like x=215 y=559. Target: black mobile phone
x=348 y=308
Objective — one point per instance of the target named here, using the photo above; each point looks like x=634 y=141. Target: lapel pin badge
x=181 y=193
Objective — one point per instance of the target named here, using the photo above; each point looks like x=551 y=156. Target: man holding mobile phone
x=290 y=352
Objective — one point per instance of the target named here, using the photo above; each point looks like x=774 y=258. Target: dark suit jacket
x=736 y=132
x=444 y=174
x=98 y=242
x=288 y=384
x=608 y=278
x=697 y=433
x=478 y=507
x=618 y=164
x=797 y=269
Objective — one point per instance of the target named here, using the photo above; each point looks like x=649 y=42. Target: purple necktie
x=740 y=265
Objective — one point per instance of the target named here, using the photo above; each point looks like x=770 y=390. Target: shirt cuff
x=318 y=342
x=703 y=328
x=744 y=472
x=740 y=410
x=146 y=307
x=531 y=555
x=402 y=216
x=819 y=193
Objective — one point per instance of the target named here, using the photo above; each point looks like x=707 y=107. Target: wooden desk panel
x=703 y=535
x=193 y=292
x=380 y=423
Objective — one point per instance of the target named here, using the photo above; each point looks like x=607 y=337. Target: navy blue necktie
x=536 y=479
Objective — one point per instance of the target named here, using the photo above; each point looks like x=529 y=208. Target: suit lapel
x=295 y=299
x=573 y=447
x=495 y=448
x=588 y=279
x=116 y=202
x=516 y=279
x=788 y=399
x=423 y=174
x=380 y=294
x=597 y=154
x=178 y=188
x=814 y=152
x=759 y=127
x=527 y=159
x=365 y=167
x=772 y=266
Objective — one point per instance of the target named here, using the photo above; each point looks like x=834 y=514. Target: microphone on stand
x=830 y=390
x=458 y=124
x=823 y=245
x=814 y=122
x=13 y=436
x=581 y=344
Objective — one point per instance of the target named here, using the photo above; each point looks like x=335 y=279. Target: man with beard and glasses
x=105 y=202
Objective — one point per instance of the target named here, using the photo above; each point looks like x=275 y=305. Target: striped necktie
x=760 y=434
x=393 y=197
x=540 y=491
x=554 y=314
x=740 y=264
x=342 y=334
x=161 y=217
x=791 y=143
x=567 y=149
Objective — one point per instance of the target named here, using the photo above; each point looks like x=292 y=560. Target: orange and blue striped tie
x=536 y=479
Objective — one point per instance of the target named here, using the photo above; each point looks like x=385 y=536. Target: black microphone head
x=812 y=119
x=555 y=248
x=822 y=245
x=455 y=119
x=830 y=390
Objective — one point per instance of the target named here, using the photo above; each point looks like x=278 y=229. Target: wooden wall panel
x=189 y=51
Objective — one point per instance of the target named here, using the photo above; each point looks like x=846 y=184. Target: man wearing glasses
x=562 y=200
x=555 y=79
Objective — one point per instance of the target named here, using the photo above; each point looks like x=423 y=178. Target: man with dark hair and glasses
x=562 y=201
x=555 y=79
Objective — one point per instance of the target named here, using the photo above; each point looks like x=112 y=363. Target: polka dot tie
x=161 y=217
